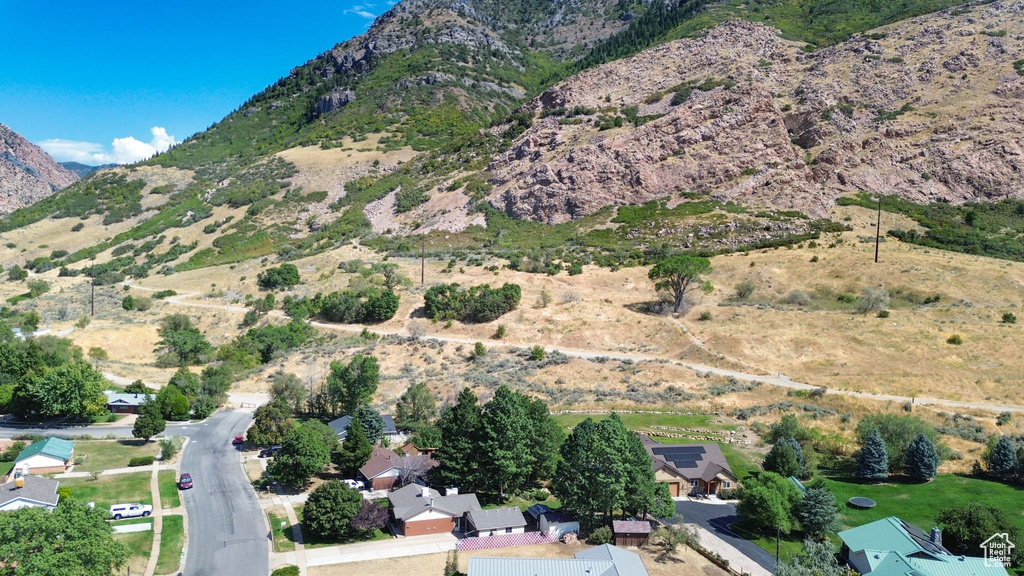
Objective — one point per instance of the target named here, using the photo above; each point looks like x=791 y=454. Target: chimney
x=936 y=537
x=451 y=491
x=424 y=492
x=431 y=501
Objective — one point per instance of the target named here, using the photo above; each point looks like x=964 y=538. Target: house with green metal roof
x=892 y=547
x=47 y=456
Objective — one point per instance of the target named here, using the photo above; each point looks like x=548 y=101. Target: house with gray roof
x=28 y=491
x=120 y=403
x=604 y=560
x=496 y=521
x=421 y=510
x=892 y=547
x=340 y=427
x=690 y=468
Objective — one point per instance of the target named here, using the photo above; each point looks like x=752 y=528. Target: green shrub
x=284 y=276
x=883 y=313
x=745 y=289
x=538 y=353
x=541 y=495
x=955 y=340
x=500 y=332
x=286 y=571
x=705 y=316
x=1009 y=318
x=78 y=227
x=159 y=296
x=478 y=304
x=128 y=302
x=141 y=461
x=479 y=350
x=17 y=273
x=98 y=353
x=602 y=535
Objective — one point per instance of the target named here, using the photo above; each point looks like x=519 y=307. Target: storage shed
x=631 y=532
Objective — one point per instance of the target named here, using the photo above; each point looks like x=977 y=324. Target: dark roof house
x=631 y=532
x=120 y=403
x=385 y=468
x=340 y=426
x=497 y=520
x=690 y=468
x=421 y=510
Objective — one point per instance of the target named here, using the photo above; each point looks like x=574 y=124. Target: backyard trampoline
x=861 y=502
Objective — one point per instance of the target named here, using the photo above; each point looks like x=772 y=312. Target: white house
x=52 y=455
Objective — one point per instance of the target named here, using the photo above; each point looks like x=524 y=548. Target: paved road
x=99 y=432
x=226 y=532
x=716 y=518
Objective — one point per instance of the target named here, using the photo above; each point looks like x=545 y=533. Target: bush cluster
x=477 y=304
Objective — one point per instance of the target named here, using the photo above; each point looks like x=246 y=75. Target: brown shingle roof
x=704 y=466
x=382 y=460
x=631 y=527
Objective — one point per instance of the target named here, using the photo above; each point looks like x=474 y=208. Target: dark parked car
x=185 y=481
x=238 y=440
x=268 y=452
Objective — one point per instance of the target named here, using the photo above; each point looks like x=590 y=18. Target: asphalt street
x=716 y=518
x=226 y=532
x=227 y=535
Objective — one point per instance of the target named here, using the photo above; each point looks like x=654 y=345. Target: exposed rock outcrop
x=27 y=174
x=927 y=108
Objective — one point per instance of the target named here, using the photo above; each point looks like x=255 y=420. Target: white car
x=118 y=511
x=354 y=484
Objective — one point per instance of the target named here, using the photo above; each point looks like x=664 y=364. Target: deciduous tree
x=150 y=420
x=271 y=424
x=350 y=385
x=964 y=528
x=416 y=407
x=677 y=275
x=768 y=502
x=330 y=510
x=73 y=389
x=303 y=454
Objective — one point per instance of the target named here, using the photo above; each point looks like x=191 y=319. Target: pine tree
x=873 y=462
x=818 y=511
x=459 y=446
x=922 y=462
x=354 y=451
x=1003 y=457
x=782 y=459
x=506 y=440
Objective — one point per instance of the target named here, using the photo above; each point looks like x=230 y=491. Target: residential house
x=631 y=532
x=385 y=468
x=419 y=510
x=119 y=403
x=393 y=436
x=51 y=455
x=696 y=469
x=604 y=560
x=892 y=547
x=411 y=449
x=25 y=491
x=496 y=521
x=554 y=523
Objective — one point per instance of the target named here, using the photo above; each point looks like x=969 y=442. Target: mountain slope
x=27 y=174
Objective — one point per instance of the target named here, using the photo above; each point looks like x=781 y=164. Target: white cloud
x=122 y=151
x=361 y=10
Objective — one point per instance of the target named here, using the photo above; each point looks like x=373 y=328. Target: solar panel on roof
x=678 y=450
x=685 y=463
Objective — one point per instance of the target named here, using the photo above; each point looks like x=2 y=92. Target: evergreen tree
x=922 y=462
x=799 y=451
x=643 y=493
x=505 y=439
x=873 y=462
x=545 y=437
x=817 y=511
x=592 y=476
x=460 y=426
x=354 y=451
x=372 y=423
x=1003 y=457
x=149 y=421
x=782 y=459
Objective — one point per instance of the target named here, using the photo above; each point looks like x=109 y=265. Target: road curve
x=227 y=535
x=774 y=379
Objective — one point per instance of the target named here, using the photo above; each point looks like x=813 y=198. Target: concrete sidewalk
x=392 y=548
x=737 y=560
x=74 y=474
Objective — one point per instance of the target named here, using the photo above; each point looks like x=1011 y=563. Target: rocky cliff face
x=27 y=174
x=930 y=108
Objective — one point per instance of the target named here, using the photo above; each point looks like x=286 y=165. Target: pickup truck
x=118 y=511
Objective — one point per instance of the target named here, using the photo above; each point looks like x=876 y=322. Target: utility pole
x=423 y=259
x=878 y=227
x=92 y=282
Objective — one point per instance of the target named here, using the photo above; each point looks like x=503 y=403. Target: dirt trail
x=772 y=378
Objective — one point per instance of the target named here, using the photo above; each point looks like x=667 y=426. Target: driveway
x=226 y=532
x=716 y=519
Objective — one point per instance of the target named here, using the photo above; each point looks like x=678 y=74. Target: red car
x=185 y=481
x=238 y=440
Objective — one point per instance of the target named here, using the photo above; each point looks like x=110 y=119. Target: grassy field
x=172 y=539
x=648 y=421
x=140 y=544
x=282 y=529
x=168 y=481
x=5 y=468
x=107 y=490
x=98 y=455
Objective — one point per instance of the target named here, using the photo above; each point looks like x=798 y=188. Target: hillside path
x=773 y=378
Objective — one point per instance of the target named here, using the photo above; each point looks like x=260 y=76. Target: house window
x=508 y=530
x=693 y=483
x=727 y=484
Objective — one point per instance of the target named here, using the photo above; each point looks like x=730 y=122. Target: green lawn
x=168 y=481
x=524 y=503
x=284 y=541
x=107 y=490
x=140 y=545
x=98 y=455
x=172 y=539
x=5 y=468
x=919 y=504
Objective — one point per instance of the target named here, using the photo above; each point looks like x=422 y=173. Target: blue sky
x=114 y=80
